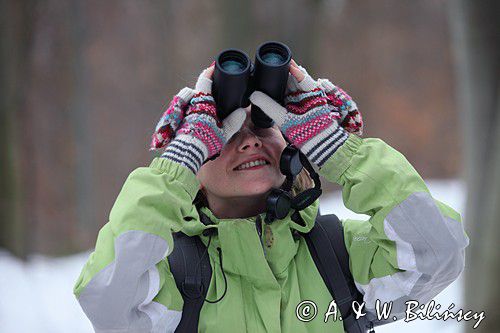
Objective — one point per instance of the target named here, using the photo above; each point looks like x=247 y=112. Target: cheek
x=207 y=173
x=277 y=145
x=212 y=174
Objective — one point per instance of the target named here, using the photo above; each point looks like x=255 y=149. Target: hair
x=302 y=182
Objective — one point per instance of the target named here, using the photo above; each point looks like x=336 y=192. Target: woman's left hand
x=312 y=114
x=338 y=100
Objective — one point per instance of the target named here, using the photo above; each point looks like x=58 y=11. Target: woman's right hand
x=190 y=128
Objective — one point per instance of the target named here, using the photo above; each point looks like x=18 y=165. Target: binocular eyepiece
x=236 y=78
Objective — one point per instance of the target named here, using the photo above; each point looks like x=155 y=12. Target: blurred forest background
x=88 y=80
x=83 y=84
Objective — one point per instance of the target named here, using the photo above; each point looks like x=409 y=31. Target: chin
x=256 y=188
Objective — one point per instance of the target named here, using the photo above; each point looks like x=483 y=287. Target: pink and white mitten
x=192 y=132
x=311 y=116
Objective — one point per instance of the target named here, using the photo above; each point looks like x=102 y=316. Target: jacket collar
x=308 y=216
x=257 y=257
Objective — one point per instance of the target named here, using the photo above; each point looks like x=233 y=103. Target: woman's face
x=231 y=175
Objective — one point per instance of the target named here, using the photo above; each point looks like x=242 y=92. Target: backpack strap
x=327 y=247
x=190 y=266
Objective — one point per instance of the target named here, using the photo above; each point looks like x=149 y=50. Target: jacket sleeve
x=126 y=285
x=412 y=246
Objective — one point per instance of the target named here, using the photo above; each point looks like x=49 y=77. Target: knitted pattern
x=187 y=150
x=202 y=122
x=171 y=119
x=200 y=135
x=312 y=126
x=195 y=128
x=339 y=101
x=312 y=114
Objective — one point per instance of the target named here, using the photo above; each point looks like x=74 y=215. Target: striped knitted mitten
x=201 y=135
x=310 y=119
x=339 y=101
x=171 y=119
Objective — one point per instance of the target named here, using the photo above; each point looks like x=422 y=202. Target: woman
x=411 y=248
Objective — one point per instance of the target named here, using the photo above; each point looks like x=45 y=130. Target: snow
x=36 y=296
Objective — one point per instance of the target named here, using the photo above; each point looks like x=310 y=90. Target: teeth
x=251 y=164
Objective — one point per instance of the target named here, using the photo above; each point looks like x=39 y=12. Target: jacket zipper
x=258 y=226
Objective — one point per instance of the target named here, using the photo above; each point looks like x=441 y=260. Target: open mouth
x=256 y=164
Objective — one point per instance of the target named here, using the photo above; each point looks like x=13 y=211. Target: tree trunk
x=477 y=49
x=15 y=39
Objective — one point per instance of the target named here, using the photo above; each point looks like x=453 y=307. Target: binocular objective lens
x=233 y=66
x=272 y=58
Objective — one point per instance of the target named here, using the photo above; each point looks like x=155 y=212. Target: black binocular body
x=236 y=78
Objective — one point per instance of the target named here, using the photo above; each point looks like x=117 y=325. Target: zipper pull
x=258 y=225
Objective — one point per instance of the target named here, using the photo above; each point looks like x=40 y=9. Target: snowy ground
x=37 y=296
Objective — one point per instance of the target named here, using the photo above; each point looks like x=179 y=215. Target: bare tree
x=476 y=38
x=16 y=31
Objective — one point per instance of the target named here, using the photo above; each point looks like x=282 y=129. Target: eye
x=232 y=138
x=263 y=131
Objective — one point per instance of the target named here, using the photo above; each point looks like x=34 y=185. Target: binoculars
x=236 y=78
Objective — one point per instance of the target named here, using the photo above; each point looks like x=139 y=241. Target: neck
x=238 y=207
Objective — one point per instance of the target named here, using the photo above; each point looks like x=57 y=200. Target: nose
x=249 y=140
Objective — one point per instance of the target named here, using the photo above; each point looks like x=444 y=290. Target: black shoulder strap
x=190 y=266
x=327 y=247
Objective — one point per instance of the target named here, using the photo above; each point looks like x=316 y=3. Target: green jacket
x=412 y=247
